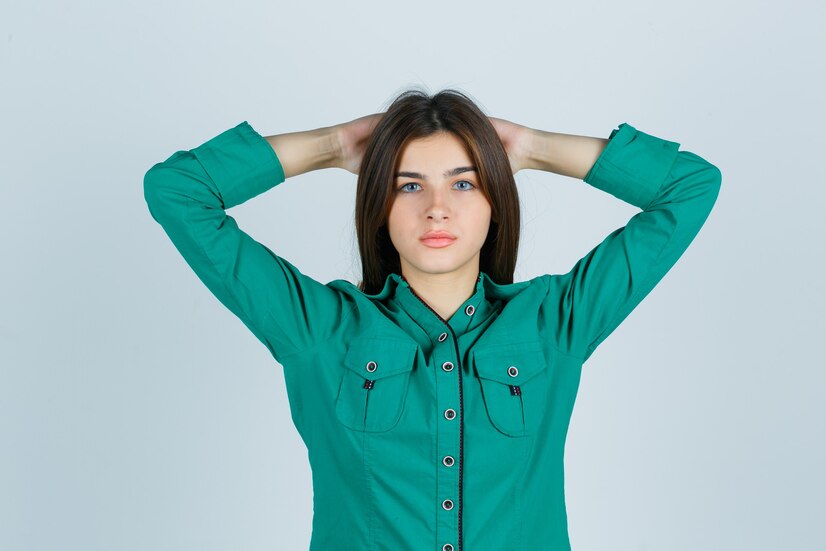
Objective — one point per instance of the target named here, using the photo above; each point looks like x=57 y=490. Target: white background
x=137 y=413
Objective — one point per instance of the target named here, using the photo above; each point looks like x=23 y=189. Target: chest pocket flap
x=512 y=380
x=374 y=383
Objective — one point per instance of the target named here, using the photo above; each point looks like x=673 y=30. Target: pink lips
x=438 y=242
x=438 y=239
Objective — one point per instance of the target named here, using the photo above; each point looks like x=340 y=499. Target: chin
x=443 y=266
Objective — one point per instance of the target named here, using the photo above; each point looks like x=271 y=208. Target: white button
x=371 y=366
x=469 y=310
x=448 y=461
x=447 y=505
x=442 y=337
x=512 y=371
x=450 y=413
x=447 y=366
x=447 y=547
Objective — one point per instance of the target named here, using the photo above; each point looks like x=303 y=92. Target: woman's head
x=435 y=163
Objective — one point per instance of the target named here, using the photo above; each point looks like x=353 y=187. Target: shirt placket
x=449 y=404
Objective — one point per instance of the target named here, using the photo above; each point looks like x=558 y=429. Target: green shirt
x=426 y=434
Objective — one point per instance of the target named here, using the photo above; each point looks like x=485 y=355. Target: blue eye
x=408 y=184
x=401 y=188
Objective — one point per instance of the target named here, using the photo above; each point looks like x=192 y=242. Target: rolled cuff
x=241 y=163
x=633 y=165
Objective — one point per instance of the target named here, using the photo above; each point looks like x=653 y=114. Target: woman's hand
x=351 y=139
x=518 y=141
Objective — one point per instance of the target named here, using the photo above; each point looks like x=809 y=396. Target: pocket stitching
x=353 y=401
x=494 y=384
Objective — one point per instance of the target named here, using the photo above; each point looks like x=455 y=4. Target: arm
x=300 y=152
x=188 y=194
x=676 y=191
x=566 y=154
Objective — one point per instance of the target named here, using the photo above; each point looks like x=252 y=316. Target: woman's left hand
x=518 y=141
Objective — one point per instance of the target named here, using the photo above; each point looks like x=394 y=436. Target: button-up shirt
x=424 y=433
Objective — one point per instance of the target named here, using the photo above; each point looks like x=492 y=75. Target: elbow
x=712 y=179
x=715 y=180
x=154 y=190
x=150 y=185
x=715 y=175
x=704 y=177
x=153 y=179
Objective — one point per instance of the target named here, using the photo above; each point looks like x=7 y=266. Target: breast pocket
x=374 y=383
x=513 y=379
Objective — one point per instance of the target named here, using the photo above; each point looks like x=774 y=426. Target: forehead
x=436 y=151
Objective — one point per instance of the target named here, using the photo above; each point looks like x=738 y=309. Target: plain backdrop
x=137 y=413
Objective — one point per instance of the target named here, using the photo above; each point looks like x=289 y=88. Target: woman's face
x=437 y=188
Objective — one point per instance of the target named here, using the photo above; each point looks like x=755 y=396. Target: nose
x=438 y=208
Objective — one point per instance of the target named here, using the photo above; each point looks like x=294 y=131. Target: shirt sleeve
x=676 y=191
x=188 y=193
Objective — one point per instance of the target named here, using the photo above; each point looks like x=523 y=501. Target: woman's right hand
x=518 y=141
x=352 y=138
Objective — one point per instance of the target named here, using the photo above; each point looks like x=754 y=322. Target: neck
x=444 y=293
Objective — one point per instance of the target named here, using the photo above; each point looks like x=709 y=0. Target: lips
x=437 y=239
x=440 y=234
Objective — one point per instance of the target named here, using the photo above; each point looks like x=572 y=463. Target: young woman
x=434 y=396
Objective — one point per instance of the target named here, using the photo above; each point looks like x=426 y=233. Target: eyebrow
x=455 y=172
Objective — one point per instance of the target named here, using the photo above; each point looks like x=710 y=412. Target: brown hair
x=415 y=114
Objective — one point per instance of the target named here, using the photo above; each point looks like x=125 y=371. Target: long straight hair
x=414 y=114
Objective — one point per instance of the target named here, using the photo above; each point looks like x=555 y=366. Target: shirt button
x=447 y=366
x=512 y=371
x=371 y=366
x=447 y=547
x=442 y=338
x=469 y=310
x=450 y=413
x=448 y=461
x=447 y=505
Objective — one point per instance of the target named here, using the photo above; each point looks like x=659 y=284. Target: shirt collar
x=472 y=312
x=488 y=298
